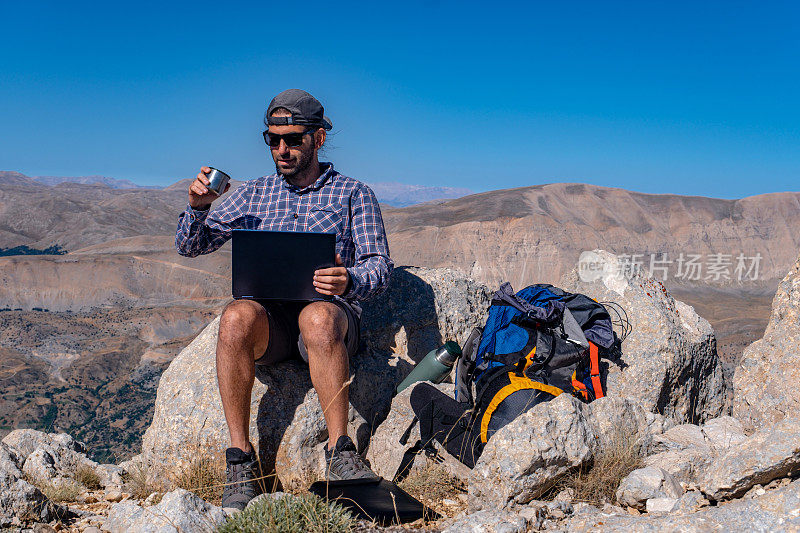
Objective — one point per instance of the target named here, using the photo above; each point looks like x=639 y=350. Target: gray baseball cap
x=305 y=109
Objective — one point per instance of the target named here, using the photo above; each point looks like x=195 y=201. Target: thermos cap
x=448 y=353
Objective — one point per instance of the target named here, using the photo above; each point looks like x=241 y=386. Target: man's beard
x=303 y=163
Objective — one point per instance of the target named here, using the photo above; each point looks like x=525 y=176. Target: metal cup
x=217 y=180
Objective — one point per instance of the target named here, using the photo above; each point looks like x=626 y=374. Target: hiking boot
x=242 y=473
x=345 y=463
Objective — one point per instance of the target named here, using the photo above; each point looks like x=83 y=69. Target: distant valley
x=86 y=334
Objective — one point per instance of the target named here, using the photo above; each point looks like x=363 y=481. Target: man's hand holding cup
x=203 y=191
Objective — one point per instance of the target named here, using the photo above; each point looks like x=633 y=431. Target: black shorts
x=285 y=340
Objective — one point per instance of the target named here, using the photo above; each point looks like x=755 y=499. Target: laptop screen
x=279 y=265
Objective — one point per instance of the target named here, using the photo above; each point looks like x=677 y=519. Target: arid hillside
x=123 y=273
x=535 y=234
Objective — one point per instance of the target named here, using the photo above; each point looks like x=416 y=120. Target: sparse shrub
x=139 y=483
x=432 y=484
x=62 y=490
x=301 y=514
x=87 y=476
x=204 y=475
x=597 y=482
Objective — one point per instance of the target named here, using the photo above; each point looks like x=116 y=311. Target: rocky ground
x=664 y=451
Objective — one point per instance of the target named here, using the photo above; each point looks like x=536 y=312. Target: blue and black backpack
x=536 y=344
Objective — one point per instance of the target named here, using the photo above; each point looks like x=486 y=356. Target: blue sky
x=664 y=97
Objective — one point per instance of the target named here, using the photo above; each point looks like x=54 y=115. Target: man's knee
x=241 y=318
x=323 y=324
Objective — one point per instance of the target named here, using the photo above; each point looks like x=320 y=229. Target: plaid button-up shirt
x=332 y=204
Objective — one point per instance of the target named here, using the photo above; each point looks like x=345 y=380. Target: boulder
x=40 y=465
x=686 y=465
x=644 y=484
x=770 y=454
x=686 y=450
x=774 y=511
x=669 y=361
x=528 y=456
x=46 y=456
x=488 y=521
x=111 y=476
x=765 y=381
x=20 y=502
x=422 y=308
x=619 y=421
x=681 y=437
x=10 y=462
x=419 y=311
x=723 y=433
x=691 y=502
x=26 y=441
x=385 y=450
x=179 y=511
x=661 y=505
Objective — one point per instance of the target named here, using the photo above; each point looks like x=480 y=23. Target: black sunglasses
x=292 y=140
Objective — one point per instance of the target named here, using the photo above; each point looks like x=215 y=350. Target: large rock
x=179 y=511
x=669 y=361
x=644 y=484
x=10 y=462
x=47 y=456
x=488 y=521
x=681 y=437
x=723 y=433
x=765 y=382
x=20 y=502
x=769 y=454
x=420 y=309
x=686 y=450
x=26 y=441
x=617 y=421
x=525 y=458
x=685 y=465
x=774 y=511
x=40 y=465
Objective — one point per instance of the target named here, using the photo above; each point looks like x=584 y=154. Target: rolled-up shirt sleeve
x=373 y=267
x=203 y=231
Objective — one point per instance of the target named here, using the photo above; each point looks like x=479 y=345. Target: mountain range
x=388 y=193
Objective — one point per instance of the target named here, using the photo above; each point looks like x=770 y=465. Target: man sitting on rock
x=304 y=195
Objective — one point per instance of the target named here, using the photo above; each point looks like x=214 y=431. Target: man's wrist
x=349 y=284
x=348 y=290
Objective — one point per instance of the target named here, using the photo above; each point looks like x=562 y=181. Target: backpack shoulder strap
x=594 y=370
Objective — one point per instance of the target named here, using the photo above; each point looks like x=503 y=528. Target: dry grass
x=86 y=476
x=432 y=484
x=140 y=483
x=597 y=483
x=64 y=490
x=204 y=475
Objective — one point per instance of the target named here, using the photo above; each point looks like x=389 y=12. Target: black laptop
x=279 y=265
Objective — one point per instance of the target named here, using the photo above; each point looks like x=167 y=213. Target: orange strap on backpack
x=594 y=370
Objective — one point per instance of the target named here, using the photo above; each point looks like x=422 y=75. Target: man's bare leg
x=323 y=326
x=243 y=337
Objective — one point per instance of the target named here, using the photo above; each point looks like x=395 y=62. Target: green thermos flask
x=434 y=367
